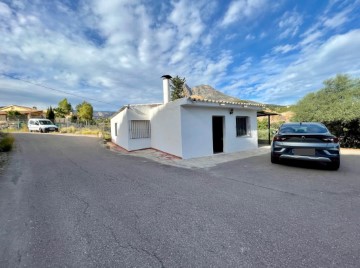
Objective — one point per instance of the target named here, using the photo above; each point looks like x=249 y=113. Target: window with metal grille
x=242 y=128
x=139 y=129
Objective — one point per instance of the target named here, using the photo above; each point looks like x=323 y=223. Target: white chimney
x=166 y=88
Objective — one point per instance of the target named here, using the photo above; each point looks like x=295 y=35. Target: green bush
x=6 y=142
x=337 y=106
x=348 y=131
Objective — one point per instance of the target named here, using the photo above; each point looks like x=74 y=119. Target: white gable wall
x=123 y=122
x=122 y=137
x=197 y=140
x=166 y=128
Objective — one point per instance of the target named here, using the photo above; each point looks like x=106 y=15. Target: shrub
x=6 y=142
x=349 y=131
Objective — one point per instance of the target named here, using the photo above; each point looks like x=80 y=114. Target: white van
x=41 y=125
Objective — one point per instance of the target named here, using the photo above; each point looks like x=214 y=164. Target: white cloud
x=242 y=9
x=115 y=51
x=338 y=54
x=249 y=37
x=289 y=24
x=337 y=20
x=311 y=37
x=134 y=50
x=5 y=11
x=284 y=48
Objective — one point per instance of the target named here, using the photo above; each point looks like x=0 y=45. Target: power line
x=54 y=89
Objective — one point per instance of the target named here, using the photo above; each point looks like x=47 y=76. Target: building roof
x=240 y=103
x=265 y=113
x=129 y=106
x=18 y=108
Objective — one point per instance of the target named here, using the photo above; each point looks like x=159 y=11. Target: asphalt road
x=69 y=202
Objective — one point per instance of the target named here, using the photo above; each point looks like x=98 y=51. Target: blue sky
x=115 y=51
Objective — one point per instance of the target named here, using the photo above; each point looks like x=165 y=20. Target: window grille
x=242 y=128
x=116 y=130
x=139 y=129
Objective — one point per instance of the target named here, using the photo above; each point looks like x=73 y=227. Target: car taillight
x=331 y=139
x=279 y=138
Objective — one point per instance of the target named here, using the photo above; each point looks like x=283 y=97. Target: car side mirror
x=37 y=123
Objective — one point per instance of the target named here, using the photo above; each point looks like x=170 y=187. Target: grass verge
x=86 y=131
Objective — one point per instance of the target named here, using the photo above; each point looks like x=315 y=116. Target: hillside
x=285 y=113
x=208 y=92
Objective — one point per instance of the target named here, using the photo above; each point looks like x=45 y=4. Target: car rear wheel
x=334 y=165
x=274 y=159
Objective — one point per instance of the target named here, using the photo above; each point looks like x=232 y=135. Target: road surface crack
x=152 y=255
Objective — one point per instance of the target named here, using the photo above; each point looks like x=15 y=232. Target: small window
x=116 y=130
x=139 y=129
x=242 y=126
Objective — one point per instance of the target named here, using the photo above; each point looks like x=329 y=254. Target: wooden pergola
x=268 y=114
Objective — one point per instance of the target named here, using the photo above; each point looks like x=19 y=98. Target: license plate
x=307 y=152
x=51 y=128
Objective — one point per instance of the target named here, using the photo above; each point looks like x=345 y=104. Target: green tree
x=13 y=115
x=176 y=86
x=50 y=114
x=85 y=111
x=339 y=100
x=336 y=105
x=64 y=108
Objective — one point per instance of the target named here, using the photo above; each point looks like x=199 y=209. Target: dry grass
x=80 y=131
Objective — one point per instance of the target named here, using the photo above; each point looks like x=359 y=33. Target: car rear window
x=303 y=128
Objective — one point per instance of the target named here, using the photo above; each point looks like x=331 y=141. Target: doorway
x=218 y=134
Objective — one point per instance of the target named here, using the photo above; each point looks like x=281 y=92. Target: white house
x=188 y=127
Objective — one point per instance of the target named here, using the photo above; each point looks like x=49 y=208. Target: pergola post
x=269 y=138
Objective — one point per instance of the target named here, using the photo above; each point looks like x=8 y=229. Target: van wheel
x=41 y=130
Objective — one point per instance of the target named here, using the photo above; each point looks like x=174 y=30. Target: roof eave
x=223 y=104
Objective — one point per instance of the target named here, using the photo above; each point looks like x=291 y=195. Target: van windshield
x=45 y=122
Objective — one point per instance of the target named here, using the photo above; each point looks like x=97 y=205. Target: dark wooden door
x=218 y=133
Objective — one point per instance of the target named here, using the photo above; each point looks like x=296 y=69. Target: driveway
x=70 y=202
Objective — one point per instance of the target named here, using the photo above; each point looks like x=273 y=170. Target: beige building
x=27 y=112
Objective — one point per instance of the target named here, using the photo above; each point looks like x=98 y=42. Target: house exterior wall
x=138 y=113
x=123 y=121
x=122 y=137
x=166 y=128
x=196 y=131
x=184 y=129
x=3 y=117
